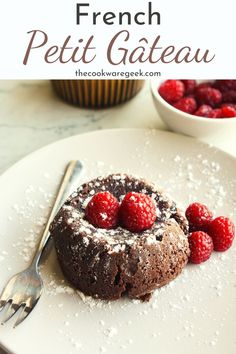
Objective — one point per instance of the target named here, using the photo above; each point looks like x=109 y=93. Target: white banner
x=125 y=39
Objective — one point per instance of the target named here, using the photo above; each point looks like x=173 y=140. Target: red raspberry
x=203 y=85
x=172 y=90
x=233 y=105
x=137 y=212
x=201 y=247
x=229 y=96
x=208 y=95
x=189 y=86
x=102 y=210
x=198 y=216
x=225 y=85
x=204 y=111
x=215 y=113
x=186 y=104
x=228 y=112
x=222 y=231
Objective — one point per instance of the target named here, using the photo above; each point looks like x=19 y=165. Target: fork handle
x=71 y=173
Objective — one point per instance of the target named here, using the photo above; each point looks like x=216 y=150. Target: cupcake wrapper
x=96 y=93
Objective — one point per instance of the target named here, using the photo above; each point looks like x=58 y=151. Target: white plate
x=195 y=313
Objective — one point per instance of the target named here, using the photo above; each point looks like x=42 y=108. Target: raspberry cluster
x=136 y=212
x=207 y=233
x=211 y=99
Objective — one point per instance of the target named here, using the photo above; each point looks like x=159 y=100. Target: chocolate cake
x=109 y=263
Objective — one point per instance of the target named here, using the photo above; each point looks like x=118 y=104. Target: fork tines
x=13 y=309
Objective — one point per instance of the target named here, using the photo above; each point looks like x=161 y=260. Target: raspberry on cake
x=102 y=210
x=108 y=263
x=137 y=212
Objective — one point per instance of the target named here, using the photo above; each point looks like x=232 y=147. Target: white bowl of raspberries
x=196 y=108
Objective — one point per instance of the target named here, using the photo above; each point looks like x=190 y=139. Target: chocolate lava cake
x=109 y=263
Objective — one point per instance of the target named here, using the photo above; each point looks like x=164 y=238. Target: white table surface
x=31 y=116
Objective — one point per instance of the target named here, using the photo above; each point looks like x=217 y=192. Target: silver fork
x=24 y=289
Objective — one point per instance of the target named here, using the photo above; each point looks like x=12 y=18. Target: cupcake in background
x=96 y=93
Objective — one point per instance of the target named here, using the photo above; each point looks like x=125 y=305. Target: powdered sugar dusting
x=116 y=240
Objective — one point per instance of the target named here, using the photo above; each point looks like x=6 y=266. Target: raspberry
x=203 y=85
x=225 y=85
x=228 y=112
x=215 y=113
x=198 y=216
x=186 y=104
x=229 y=96
x=189 y=86
x=203 y=111
x=137 y=212
x=201 y=247
x=102 y=210
x=172 y=90
x=233 y=105
x=222 y=231
x=209 y=96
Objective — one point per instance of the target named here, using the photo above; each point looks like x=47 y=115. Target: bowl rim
x=155 y=84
